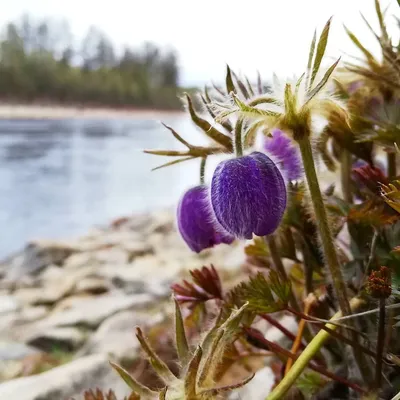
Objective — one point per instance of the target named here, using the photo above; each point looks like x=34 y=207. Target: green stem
x=276 y=258
x=202 y=170
x=380 y=344
x=306 y=356
x=238 y=138
x=391 y=165
x=328 y=246
x=345 y=171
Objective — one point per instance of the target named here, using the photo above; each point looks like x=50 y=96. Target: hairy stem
x=305 y=357
x=202 y=170
x=391 y=165
x=345 y=172
x=380 y=344
x=238 y=138
x=328 y=246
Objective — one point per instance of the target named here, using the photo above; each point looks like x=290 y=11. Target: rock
x=36 y=256
x=258 y=388
x=8 y=304
x=66 y=381
x=114 y=256
x=115 y=336
x=66 y=339
x=91 y=311
x=15 y=351
x=136 y=249
x=92 y=285
x=30 y=314
x=55 y=288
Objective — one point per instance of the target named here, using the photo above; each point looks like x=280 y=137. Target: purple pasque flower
x=285 y=153
x=248 y=195
x=196 y=222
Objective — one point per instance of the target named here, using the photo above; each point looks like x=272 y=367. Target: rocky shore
x=67 y=308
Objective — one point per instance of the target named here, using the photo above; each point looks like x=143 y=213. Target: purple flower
x=286 y=153
x=248 y=195
x=196 y=222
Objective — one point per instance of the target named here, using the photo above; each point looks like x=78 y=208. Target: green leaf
x=158 y=365
x=132 y=383
x=230 y=87
x=321 y=47
x=290 y=102
x=264 y=100
x=323 y=81
x=208 y=368
x=354 y=39
x=262 y=295
x=208 y=129
x=191 y=375
x=253 y=111
x=180 y=336
x=381 y=20
x=310 y=59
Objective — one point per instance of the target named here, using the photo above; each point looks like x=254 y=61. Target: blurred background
x=84 y=85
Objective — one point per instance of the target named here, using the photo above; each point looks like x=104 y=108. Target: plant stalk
x=328 y=246
x=391 y=165
x=202 y=170
x=345 y=172
x=238 y=138
x=310 y=351
x=380 y=344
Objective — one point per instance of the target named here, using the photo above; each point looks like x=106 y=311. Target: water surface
x=60 y=178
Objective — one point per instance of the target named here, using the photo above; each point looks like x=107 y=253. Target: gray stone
x=93 y=285
x=37 y=255
x=15 y=351
x=116 y=337
x=91 y=311
x=66 y=381
x=55 y=288
x=63 y=338
x=8 y=304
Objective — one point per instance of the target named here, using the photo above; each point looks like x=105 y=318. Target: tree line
x=40 y=61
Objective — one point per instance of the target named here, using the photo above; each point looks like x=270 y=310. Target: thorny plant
x=327 y=255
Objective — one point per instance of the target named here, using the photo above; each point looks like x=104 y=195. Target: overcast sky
x=268 y=35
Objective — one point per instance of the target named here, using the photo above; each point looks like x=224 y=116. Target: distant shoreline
x=34 y=111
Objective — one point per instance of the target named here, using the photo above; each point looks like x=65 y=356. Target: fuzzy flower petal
x=196 y=222
x=282 y=148
x=248 y=195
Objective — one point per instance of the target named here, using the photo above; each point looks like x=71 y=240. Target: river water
x=60 y=178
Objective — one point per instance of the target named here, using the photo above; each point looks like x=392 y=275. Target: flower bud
x=196 y=222
x=286 y=153
x=248 y=195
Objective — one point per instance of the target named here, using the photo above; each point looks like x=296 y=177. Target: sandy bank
x=26 y=111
